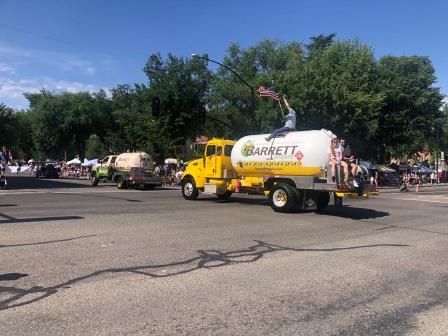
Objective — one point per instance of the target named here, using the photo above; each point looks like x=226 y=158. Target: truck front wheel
x=94 y=179
x=283 y=197
x=121 y=183
x=189 y=190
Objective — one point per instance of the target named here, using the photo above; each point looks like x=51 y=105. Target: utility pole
x=255 y=126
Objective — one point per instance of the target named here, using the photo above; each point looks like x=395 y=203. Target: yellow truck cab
x=214 y=173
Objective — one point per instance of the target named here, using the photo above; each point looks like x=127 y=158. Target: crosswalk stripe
x=84 y=191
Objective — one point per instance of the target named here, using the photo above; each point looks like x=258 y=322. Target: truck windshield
x=211 y=150
x=228 y=150
x=199 y=150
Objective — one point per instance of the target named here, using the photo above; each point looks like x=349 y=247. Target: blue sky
x=87 y=45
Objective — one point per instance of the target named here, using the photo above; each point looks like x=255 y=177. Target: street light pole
x=252 y=90
x=437 y=154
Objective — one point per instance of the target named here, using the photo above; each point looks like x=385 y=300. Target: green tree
x=95 y=148
x=47 y=112
x=62 y=123
x=412 y=105
x=130 y=112
x=182 y=86
x=319 y=43
x=268 y=63
x=7 y=126
x=22 y=134
x=338 y=93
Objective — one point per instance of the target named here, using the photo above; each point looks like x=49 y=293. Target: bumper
x=137 y=180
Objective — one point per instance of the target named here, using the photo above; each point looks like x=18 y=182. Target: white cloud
x=11 y=90
x=63 y=61
x=7 y=69
x=12 y=51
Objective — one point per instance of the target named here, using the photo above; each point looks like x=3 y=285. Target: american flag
x=268 y=93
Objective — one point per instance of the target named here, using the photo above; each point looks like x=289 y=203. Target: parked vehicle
x=47 y=171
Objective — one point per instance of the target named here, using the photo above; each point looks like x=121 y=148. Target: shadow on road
x=46 y=242
x=346 y=211
x=207 y=259
x=31 y=182
x=12 y=276
x=235 y=199
x=352 y=213
x=12 y=220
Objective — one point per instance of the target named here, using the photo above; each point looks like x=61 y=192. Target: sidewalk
x=421 y=187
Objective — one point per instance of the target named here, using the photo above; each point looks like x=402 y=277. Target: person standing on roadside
x=3 y=182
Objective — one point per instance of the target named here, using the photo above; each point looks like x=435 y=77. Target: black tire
x=284 y=198
x=360 y=189
x=121 y=183
x=226 y=196
x=189 y=190
x=322 y=200
x=149 y=187
x=94 y=179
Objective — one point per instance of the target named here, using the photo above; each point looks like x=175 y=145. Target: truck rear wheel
x=189 y=190
x=94 y=179
x=121 y=183
x=322 y=200
x=283 y=197
x=226 y=196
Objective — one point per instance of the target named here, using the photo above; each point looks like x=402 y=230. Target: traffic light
x=202 y=115
x=156 y=107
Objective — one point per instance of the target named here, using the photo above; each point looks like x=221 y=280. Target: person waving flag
x=268 y=93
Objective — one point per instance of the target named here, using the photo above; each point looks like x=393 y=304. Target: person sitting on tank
x=349 y=158
x=335 y=158
x=290 y=123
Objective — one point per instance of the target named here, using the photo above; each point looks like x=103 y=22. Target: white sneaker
x=355 y=184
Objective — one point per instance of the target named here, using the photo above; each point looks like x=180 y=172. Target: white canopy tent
x=74 y=161
x=422 y=169
x=89 y=163
x=171 y=160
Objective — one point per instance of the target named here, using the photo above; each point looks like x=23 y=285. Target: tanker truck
x=292 y=170
x=127 y=169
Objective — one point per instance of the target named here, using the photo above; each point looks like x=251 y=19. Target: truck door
x=111 y=164
x=210 y=161
x=102 y=170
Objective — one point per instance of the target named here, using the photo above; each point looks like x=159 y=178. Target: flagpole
x=281 y=108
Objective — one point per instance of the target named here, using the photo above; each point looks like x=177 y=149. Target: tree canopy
x=384 y=107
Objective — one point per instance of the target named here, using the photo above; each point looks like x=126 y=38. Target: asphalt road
x=77 y=260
